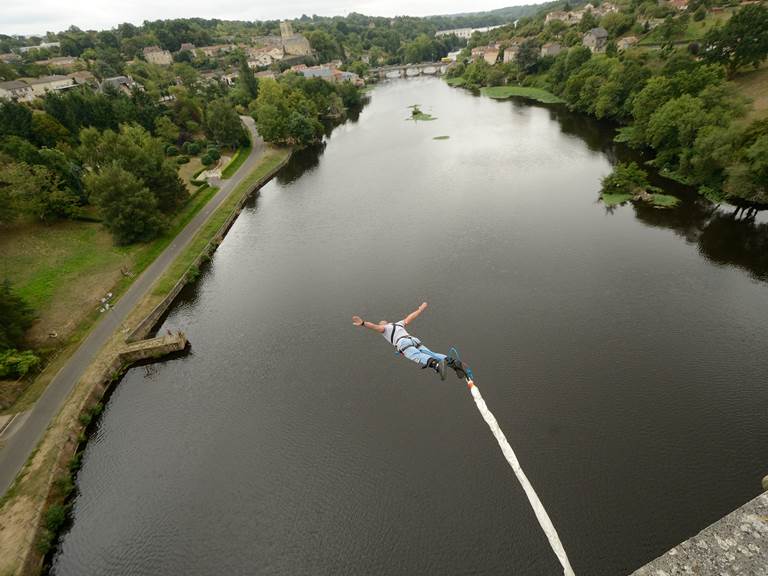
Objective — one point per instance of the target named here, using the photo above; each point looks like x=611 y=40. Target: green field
x=537 y=94
x=693 y=31
x=237 y=161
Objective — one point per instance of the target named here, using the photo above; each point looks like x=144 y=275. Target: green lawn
x=188 y=171
x=664 y=201
x=455 y=81
x=63 y=269
x=615 y=199
x=537 y=94
x=237 y=160
x=754 y=85
x=693 y=31
x=40 y=259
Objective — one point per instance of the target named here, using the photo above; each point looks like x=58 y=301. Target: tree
x=15 y=317
x=15 y=119
x=528 y=55
x=742 y=41
x=166 y=130
x=47 y=131
x=36 y=190
x=129 y=209
x=138 y=152
x=223 y=124
x=249 y=82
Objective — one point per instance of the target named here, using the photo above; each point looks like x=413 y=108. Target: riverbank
x=25 y=526
x=510 y=91
x=64 y=269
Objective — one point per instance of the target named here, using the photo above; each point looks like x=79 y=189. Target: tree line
x=678 y=102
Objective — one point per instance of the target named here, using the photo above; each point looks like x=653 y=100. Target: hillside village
x=266 y=55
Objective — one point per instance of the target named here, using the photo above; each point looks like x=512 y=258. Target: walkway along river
x=621 y=352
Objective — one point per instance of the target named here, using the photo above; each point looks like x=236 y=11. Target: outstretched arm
x=357 y=321
x=415 y=314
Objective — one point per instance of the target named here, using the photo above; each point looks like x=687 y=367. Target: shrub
x=55 y=517
x=183 y=159
x=15 y=363
x=171 y=150
x=206 y=159
x=193 y=149
x=214 y=152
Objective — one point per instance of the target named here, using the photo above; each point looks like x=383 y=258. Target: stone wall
x=734 y=545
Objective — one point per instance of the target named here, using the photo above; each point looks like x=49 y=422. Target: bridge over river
x=410 y=70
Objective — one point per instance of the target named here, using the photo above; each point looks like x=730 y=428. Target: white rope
x=538 y=508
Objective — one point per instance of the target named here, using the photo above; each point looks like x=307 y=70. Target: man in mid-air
x=412 y=348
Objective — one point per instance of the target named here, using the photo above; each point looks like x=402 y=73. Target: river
x=622 y=352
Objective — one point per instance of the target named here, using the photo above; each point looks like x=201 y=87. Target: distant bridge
x=410 y=70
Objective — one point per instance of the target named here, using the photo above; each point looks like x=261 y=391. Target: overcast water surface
x=622 y=352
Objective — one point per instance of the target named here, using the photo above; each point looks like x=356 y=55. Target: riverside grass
x=504 y=92
x=240 y=156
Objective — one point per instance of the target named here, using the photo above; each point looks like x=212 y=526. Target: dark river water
x=622 y=352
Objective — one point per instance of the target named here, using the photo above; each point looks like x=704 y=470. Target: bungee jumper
x=412 y=348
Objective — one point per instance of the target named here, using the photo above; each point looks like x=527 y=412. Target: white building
x=44 y=84
x=41 y=46
x=465 y=33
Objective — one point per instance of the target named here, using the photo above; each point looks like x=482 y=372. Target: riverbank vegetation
x=528 y=92
x=96 y=179
x=681 y=101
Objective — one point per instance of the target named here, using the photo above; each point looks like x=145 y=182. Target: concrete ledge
x=734 y=545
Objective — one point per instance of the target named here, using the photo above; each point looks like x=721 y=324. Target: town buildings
x=626 y=42
x=551 y=49
x=293 y=44
x=156 y=55
x=465 y=33
x=41 y=46
x=488 y=53
x=16 y=90
x=215 y=50
x=596 y=39
x=60 y=62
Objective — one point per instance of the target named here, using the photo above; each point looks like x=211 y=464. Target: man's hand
x=357 y=321
x=423 y=306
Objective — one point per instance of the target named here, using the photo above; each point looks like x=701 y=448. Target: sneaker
x=440 y=368
x=460 y=369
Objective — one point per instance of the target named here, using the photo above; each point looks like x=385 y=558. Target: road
x=21 y=437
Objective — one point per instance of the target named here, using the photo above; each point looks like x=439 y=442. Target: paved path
x=18 y=441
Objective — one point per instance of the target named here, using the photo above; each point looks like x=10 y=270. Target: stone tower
x=286 y=30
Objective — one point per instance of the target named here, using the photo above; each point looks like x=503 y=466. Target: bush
x=55 y=517
x=214 y=152
x=183 y=159
x=171 y=150
x=15 y=363
x=700 y=14
x=193 y=149
x=206 y=159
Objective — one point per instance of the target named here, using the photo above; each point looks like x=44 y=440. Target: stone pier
x=736 y=545
x=153 y=348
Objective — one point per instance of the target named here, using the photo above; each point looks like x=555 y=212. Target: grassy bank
x=237 y=161
x=537 y=94
x=31 y=512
